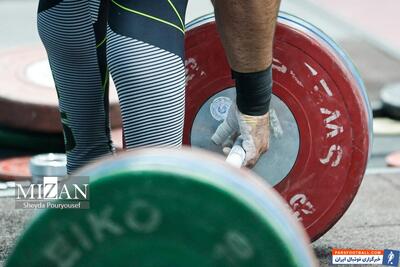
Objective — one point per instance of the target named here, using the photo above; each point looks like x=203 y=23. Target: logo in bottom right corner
x=391 y=257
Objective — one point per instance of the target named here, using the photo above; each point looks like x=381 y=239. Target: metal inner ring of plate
x=274 y=165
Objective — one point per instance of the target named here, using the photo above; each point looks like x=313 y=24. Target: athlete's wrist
x=254 y=91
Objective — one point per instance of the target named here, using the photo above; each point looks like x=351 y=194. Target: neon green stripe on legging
x=102 y=42
x=177 y=13
x=106 y=80
x=147 y=16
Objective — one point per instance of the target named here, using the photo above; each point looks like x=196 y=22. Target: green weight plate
x=37 y=142
x=155 y=208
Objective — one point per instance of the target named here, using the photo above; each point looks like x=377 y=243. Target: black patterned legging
x=141 y=43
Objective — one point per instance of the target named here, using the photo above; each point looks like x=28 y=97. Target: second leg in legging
x=145 y=48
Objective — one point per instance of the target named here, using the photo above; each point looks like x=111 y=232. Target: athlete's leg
x=71 y=31
x=145 y=50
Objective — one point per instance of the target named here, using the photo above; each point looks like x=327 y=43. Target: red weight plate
x=28 y=99
x=328 y=107
x=14 y=169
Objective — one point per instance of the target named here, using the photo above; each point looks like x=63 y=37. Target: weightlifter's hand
x=253 y=130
